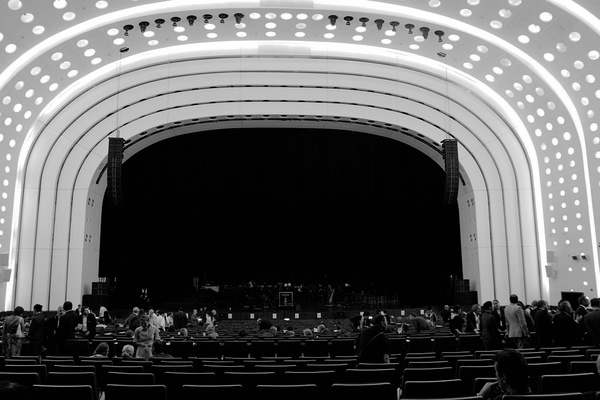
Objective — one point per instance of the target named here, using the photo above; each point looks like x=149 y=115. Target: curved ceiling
x=533 y=62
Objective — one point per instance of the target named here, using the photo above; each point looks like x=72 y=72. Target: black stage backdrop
x=290 y=205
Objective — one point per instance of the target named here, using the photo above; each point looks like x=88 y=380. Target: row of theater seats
x=412 y=375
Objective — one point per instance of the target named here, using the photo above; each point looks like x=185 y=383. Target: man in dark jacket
x=86 y=324
x=372 y=344
x=37 y=332
x=66 y=327
x=492 y=340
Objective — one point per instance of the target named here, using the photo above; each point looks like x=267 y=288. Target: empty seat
x=426 y=374
x=467 y=375
x=129 y=378
x=128 y=392
x=433 y=389
x=555 y=396
x=538 y=369
x=360 y=391
x=576 y=367
x=236 y=348
x=341 y=347
x=418 y=344
x=316 y=348
x=40 y=369
x=323 y=379
x=74 y=378
x=181 y=348
x=208 y=348
x=159 y=371
x=174 y=381
x=212 y=391
x=565 y=383
x=369 y=375
x=289 y=348
x=24 y=378
x=79 y=392
x=262 y=348
x=470 y=342
x=288 y=392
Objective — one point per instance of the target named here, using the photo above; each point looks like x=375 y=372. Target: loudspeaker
x=115 y=161
x=450 y=147
x=549 y=271
x=5 y=275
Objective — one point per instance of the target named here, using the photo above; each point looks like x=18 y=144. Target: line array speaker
x=450 y=147
x=115 y=161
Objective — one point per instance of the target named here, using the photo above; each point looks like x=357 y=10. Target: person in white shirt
x=161 y=323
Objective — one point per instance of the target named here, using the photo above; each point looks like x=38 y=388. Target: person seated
x=289 y=331
x=211 y=332
x=101 y=350
x=512 y=376
x=128 y=352
x=307 y=332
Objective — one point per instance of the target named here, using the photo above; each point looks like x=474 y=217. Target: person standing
x=372 y=344
x=566 y=328
x=37 y=331
x=473 y=319
x=144 y=337
x=180 y=322
x=492 y=340
x=544 y=333
x=516 y=325
x=66 y=327
x=13 y=332
x=133 y=321
x=498 y=313
x=51 y=326
x=456 y=320
x=592 y=321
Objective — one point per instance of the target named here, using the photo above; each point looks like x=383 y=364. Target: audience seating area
x=321 y=367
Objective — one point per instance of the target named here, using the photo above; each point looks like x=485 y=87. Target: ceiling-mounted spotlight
x=379 y=23
x=159 y=22
x=207 y=17
x=191 y=19
x=410 y=28
x=394 y=24
x=364 y=21
x=175 y=20
x=238 y=18
x=439 y=34
x=348 y=19
x=127 y=28
x=333 y=19
x=144 y=25
x=124 y=49
x=425 y=31
x=223 y=16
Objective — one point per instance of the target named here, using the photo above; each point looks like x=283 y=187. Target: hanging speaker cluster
x=115 y=161
x=450 y=147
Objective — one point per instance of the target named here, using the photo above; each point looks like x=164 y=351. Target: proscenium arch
x=57 y=245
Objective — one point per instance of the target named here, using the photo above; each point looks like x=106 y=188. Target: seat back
x=316 y=348
x=426 y=374
x=40 y=369
x=538 y=369
x=380 y=391
x=468 y=373
x=565 y=383
x=159 y=371
x=174 y=381
x=24 y=378
x=208 y=348
x=288 y=392
x=289 y=348
x=87 y=378
x=126 y=391
x=433 y=389
x=129 y=378
x=212 y=391
x=341 y=347
x=79 y=392
x=323 y=379
x=555 y=396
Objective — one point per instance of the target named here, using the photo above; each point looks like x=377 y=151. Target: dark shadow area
x=264 y=205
